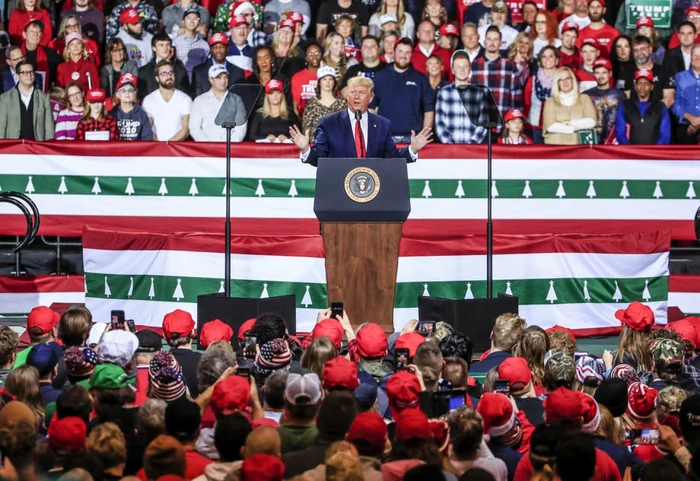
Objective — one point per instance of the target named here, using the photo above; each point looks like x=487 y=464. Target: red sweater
x=418 y=59
x=18 y=20
x=91 y=47
x=72 y=71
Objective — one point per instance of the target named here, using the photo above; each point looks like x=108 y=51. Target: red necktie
x=359 y=141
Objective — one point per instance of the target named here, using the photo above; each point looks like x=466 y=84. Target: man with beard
x=664 y=87
x=136 y=40
x=403 y=95
x=168 y=108
x=598 y=29
x=303 y=83
x=499 y=74
x=218 y=49
x=606 y=99
x=146 y=11
x=161 y=47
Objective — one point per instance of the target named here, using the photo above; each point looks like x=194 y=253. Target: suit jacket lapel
x=372 y=136
x=346 y=128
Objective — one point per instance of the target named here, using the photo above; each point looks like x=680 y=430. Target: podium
x=362 y=204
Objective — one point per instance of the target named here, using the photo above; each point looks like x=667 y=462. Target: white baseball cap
x=117 y=347
x=388 y=17
x=325 y=71
x=302 y=389
x=216 y=70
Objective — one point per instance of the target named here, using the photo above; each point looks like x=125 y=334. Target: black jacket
x=200 y=76
x=148 y=84
x=673 y=61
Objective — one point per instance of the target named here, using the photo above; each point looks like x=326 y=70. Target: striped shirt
x=67 y=124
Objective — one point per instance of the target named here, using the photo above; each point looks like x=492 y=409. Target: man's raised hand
x=301 y=139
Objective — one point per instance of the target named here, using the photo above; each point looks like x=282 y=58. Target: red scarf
x=42 y=62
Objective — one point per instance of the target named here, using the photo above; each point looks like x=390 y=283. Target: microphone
x=358 y=115
x=360 y=140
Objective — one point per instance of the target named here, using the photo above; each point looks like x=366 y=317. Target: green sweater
x=296 y=438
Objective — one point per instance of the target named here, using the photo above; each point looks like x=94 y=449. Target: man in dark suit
x=678 y=59
x=218 y=48
x=354 y=132
x=13 y=56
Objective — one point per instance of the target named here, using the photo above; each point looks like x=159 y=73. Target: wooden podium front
x=361 y=264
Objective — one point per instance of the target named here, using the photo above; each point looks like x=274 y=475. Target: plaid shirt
x=454 y=110
x=148 y=15
x=257 y=38
x=94 y=125
x=191 y=51
x=690 y=381
x=503 y=78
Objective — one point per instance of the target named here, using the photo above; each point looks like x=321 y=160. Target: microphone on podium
x=358 y=115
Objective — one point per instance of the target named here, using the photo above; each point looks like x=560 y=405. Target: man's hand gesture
x=421 y=139
x=301 y=139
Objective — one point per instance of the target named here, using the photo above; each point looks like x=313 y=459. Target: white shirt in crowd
x=508 y=35
x=202 y=127
x=582 y=22
x=167 y=116
x=138 y=50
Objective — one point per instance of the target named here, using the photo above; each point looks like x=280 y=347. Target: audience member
x=606 y=99
x=218 y=49
x=136 y=39
x=302 y=398
x=685 y=108
x=506 y=333
x=566 y=112
x=25 y=111
x=325 y=102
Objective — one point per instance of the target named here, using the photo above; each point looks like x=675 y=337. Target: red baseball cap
x=130 y=16
x=514 y=114
x=569 y=26
x=687 y=328
x=590 y=41
x=413 y=424
x=231 y=394
x=649 y=75
x=274 y=85
x=245 y=327
x=127 y=78
x=288 y=23
x=262 y=467
x=330 y=328
x=237 y=20
x=371 y=427
x=409 y=341
x=213 y=331
x=563 y=404
x=516 y=370
x=371 y=341
x=449 y=29
x=296 y=17
x=602 y=62
x=340 y=372
x=691 y=9
x=637 y=316
x=402 y=391
x=42 y=320
x=218 y=38
x=265 y=422
x=644 y=21
x=497 y=412
x=96 y=95
x=177 y=324
x=69 y=432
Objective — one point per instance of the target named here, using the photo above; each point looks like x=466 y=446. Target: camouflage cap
x=559 y=366
x=671 y=398
x=442 y=330
x=667 y=352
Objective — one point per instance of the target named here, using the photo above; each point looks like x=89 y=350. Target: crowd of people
x=566 y=72
x=91 y=401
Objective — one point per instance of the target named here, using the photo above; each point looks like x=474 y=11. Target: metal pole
x=227 y=228
x=489 y=222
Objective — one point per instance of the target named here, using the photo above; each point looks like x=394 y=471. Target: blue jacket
x=334 y=138
x=494 y=359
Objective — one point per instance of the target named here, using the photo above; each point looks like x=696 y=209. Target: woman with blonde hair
x=326 y=101
x=288 y=57
x=435 y=12
x=521 y=52
x=405 y=25
x=334 y=55
x=71 y=24
x=272 y=121
x=76 y=67
x=546 y=31
x=566 y=111
x=610 y=428
x=387 y=42
x=633 y=347
x=533 y=345
x=23 y=384
x=320 y=351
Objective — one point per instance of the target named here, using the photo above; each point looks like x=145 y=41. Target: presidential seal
x=362 y=184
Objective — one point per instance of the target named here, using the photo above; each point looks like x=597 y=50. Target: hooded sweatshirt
x=133 y=125
x=219 y=471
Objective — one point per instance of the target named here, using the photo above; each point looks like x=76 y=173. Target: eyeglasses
x=540 y=21
x=125 y=90
x=313 y=54
x=167 y=74
x=27 y=72
x=75 y=95
x=72 y=25
x=117 y=50
x=565 y=79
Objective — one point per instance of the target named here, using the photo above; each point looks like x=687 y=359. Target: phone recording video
x=249 y=349
x=426 y=328
x=402 y=360
x=337 y=310
x=645 y=436
x=117 y=320
x=243 y=371
x=502 y=386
